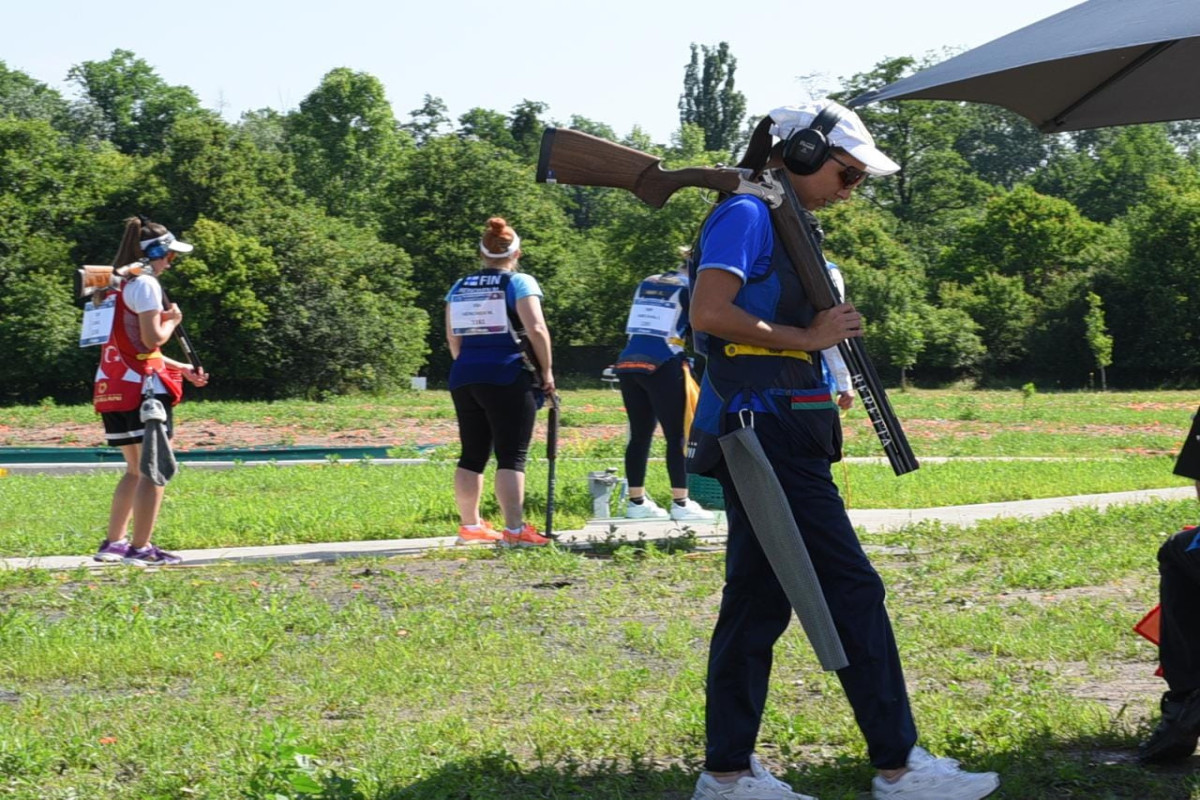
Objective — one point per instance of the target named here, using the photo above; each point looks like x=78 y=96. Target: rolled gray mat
x=158 y=459
x=771 y=517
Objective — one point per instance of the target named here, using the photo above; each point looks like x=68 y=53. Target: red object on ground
x=1149 y=627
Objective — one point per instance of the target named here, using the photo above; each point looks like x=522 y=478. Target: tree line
x=327 y=235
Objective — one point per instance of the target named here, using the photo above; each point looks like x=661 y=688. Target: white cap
x=849 y=134
x=168 y=241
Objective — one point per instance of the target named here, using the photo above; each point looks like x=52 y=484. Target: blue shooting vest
x=659 y=336
x=490 y=353
x=791 y=389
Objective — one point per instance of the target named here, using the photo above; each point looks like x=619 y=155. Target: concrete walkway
x=616 y=530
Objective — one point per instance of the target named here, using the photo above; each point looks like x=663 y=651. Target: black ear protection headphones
x=806 y=150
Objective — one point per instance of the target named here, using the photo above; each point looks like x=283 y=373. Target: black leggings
x=649 y=400
x=498 y=418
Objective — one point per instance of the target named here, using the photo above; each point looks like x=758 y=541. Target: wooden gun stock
x=92 y=281
x=580 y=159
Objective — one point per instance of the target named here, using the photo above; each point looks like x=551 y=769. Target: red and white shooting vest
x=126 y=364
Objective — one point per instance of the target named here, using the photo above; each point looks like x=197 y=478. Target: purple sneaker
x=151 y=556
x=112 y=552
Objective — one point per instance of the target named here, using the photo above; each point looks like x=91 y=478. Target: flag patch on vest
x=816 y=401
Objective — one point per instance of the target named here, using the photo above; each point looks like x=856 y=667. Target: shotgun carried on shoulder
x=579 y=159
x=95 y=281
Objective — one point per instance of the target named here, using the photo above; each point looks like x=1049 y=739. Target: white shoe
x=930 y=778
x=690 y=511
x=647 y=509
x=758 y=785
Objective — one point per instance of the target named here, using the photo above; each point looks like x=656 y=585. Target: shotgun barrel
x=799 y=238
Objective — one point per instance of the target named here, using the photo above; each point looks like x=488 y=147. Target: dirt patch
x=1126 y=681
x=1123 y=590
x=209 y=433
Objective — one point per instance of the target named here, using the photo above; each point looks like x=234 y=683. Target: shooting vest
x=484 y=315
x=127 y=363
x=738 y=378
x=657 y=324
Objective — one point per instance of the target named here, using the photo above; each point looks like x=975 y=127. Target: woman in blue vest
x=762 y=338
x=651 y=372
x=495 y=385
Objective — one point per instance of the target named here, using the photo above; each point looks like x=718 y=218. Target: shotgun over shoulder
x=580 y=159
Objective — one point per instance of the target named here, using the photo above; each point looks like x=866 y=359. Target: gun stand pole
x=551 y=458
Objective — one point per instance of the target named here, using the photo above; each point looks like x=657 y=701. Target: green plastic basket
x=706 y=491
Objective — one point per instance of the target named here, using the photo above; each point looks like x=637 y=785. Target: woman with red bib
x=131 y=367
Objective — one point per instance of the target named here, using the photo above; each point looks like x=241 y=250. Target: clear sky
x=620 y=62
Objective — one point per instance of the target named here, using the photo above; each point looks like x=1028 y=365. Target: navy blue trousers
x=755 y=612
x=1179 y=593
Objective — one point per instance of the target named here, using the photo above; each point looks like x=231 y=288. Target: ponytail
x=137 y=229
x=758 y=152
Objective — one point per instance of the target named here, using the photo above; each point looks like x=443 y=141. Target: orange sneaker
x=528 y=537
x=484 y=534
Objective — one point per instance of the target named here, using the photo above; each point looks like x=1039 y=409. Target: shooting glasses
x=851 y=176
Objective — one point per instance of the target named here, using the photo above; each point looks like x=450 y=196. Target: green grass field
x=549 y=674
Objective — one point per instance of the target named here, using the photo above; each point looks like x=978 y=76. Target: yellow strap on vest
x=148 y=356
x=732 y=350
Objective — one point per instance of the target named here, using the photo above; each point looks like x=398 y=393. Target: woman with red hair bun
x=492 y=315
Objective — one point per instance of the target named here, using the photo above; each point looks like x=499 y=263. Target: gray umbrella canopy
x=1100 y=63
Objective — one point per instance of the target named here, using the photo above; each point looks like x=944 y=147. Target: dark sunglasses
x=851 y=176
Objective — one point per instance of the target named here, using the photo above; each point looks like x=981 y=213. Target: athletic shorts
x=126 y=427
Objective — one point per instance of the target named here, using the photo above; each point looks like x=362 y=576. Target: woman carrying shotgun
x=762 y=337
x=496 y=387
x=132 y=365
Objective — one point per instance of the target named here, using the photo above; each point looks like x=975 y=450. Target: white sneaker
x=647 y=509
x=758 y=785
x=690 y=511
x=930 y=778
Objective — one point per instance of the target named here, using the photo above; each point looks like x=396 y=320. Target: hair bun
x=498 y=236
